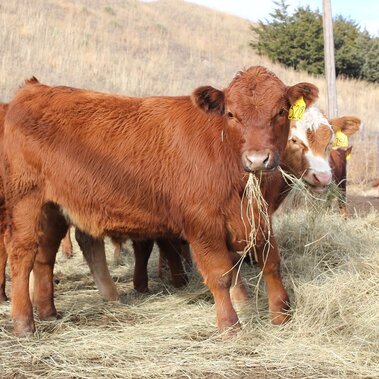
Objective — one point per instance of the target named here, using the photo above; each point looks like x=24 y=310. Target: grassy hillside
x=166 y=47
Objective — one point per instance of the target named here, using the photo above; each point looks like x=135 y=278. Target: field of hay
x=330 y=265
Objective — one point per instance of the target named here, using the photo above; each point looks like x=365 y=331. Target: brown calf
x=170 y=166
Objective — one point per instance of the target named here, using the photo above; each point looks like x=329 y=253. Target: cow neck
x=224 y=144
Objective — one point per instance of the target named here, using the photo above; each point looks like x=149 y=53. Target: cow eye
x=282 y=112
x=229 y=114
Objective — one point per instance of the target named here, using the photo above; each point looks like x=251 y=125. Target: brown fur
x=319 y=140
x=339 y=164
x=3 y=253
x=152 y=166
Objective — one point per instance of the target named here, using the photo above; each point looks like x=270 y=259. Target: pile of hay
x=331 y=269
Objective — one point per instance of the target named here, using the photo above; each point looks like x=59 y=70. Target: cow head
x=257 y=103
x=309 y=145
x=343 y=127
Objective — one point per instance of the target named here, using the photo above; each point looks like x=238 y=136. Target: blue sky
x=365 y=12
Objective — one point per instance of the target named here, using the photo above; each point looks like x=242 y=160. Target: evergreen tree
x=370 y=69
x=297 y=41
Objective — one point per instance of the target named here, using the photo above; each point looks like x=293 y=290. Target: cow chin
x=318 y=189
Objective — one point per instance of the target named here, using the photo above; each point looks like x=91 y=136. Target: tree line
x=296 y=40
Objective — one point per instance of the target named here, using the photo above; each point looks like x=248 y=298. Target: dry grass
x=166 y=47
x=331 y=268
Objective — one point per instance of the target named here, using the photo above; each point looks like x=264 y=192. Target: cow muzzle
x=319 y=181
x=263 y=160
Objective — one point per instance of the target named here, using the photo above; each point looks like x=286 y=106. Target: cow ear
x=209 y=99
x=347 y=124
x=308 y=91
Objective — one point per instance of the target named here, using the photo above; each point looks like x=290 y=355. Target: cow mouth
x=318 y=188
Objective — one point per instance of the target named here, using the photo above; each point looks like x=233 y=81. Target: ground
x=331 y=270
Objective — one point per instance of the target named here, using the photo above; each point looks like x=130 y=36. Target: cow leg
x=185 y=252
x=67 y=245
x=171 y=249
x=21 y=241
x=215 y=264
x=342 y=200
x=54 y=228
x=3 y=252
x=94 y=253
x=269 y=261
x=142 y=250
x=3 y=265
x=238 y=291
x=117 y=244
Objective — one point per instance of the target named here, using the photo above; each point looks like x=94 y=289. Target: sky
x=365 y=12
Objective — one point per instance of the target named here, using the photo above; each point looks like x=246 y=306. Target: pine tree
x=297 y=41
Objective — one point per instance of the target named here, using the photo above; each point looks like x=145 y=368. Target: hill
x=165 y=47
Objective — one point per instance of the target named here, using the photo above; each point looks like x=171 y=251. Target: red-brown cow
x=170 y=166
x=306 y=156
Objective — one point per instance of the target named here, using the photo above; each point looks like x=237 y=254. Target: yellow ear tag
x=297 y=110
x=340 y=139
x=348 y=156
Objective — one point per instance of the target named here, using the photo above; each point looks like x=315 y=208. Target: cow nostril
x=266 y=160
x=316 y=179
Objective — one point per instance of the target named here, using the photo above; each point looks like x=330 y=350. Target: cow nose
x=259 y=160
x=323 y=178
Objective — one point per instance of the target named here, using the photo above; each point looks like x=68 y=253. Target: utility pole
x=330 y=66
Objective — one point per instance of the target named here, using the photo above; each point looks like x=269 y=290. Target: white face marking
x=317 y=163
x=311 y=121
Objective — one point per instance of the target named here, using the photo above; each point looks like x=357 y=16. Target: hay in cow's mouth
x=254 y=209
x=301 y=191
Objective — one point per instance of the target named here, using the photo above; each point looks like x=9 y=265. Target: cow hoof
x=179 y=281
x=23 y=328
x=108 y=291
x=228 y=321
x=280 y=318
x=141 y=288
x=111 y=296
x=230 y=331
x=48 y=315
